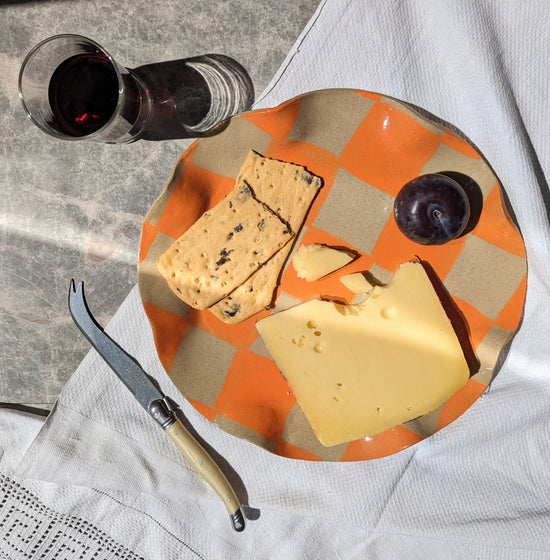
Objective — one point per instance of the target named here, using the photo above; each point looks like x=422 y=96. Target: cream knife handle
x=201 y=461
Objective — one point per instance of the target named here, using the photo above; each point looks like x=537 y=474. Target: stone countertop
x=74 y=209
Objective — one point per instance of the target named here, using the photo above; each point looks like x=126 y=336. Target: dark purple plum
x=432 y=209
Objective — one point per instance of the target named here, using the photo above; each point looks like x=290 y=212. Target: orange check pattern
x=365 y=146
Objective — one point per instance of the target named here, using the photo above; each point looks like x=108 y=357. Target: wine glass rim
x=50 y=130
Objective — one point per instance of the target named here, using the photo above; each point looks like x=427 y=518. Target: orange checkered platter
x=365 y=146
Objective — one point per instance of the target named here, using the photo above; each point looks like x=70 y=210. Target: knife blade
x=153 y=401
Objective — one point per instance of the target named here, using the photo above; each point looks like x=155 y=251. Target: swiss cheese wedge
x=357 y=370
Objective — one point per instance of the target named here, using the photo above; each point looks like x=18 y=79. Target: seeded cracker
x=288 y=190
x=223 y=248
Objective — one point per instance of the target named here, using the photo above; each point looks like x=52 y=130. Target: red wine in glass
x=71 y=88
x=83 y=94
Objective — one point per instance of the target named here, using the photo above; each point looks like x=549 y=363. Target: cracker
x=223 y=248
x=288 y=190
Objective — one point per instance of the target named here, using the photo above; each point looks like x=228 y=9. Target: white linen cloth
x=100 y=473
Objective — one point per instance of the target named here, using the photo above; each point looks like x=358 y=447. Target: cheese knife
x=156 y=404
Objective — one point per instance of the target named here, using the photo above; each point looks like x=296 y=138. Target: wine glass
x=73 y=89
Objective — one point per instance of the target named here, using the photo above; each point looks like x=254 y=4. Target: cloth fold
x=478 y=488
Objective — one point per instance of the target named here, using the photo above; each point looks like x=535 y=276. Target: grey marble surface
x=74 y=209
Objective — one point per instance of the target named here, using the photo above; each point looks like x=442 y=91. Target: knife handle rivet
x=161 y=412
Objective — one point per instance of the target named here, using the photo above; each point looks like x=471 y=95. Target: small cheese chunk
x=223 y=248
x=356 y=283
x=357 y=370
x=313 y=261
